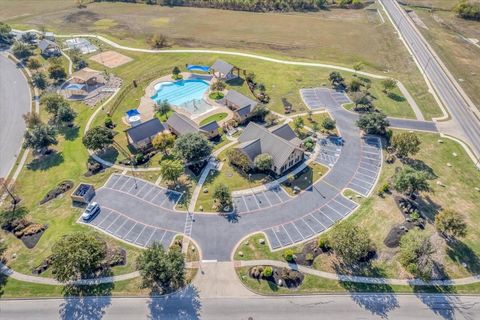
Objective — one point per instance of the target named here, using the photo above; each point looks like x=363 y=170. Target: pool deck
x=146 y=107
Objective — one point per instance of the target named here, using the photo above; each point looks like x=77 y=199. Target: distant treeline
x=244 y=5
x=468 y=10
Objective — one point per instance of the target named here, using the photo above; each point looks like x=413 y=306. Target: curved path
x=139 y=212
x=15 y=101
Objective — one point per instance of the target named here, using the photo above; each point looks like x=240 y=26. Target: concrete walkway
x=357 y=279
x=411 y=101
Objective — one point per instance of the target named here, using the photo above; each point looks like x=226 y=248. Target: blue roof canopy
x=133 y=112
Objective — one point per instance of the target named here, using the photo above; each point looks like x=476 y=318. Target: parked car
x=92 y=209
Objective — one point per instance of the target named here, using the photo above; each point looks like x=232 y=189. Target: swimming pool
x=180 y=92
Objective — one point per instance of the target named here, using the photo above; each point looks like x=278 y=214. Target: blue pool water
x=193 y=67
x=187 y=94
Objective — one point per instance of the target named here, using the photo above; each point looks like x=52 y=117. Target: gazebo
x=224 y=70
x=88 y=77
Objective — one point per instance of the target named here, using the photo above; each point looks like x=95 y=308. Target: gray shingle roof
x=211 y=126
x=145 y=130
x=285 y=131
x=182 y=124
x=44 y=44
x=255 y=139
x=239 y=99
x=222 y=67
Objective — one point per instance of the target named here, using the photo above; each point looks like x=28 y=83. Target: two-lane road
x=15 y=101
x=444 y=84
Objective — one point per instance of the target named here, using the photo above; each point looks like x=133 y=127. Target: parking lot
x=120 y=222
x=369 y=167
x=330 y=149
x=260 y=200
x=324 y=98
x=146 y=191
x=310 y=224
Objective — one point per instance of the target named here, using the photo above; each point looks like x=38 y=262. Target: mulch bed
x=59 y=189
x=311 y=251
x=281 y=277
x=197 y=168
x=30 y=241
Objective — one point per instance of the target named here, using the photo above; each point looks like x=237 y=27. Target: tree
x=405 y=144
x=373 y=123
x=450 y=224
x=222 y=195
x=39 y=80
x=261 y=87
x=162 y=107
x=29 y=37
x=336 y=79
x=32 y=119
x=40 y=137
x=171 y=170
x=468 y=10
x=315 y=127
x=388 y=84
x=98 y=138
x=176 y=71
x=21 y=50
x=57 y=72
x=76 y=256
x=263 y=162
x=163 y=141
x=410 y=181
x=192 y=147
x=357 y=66
x=271 y=119
x=52 y=102
x=328 y=123
x=33 y=64
x=298 y=123
x=238 y=159
x=416 y=253
x=363 y=101
x=259 y=113
x=65 y=114
x=6 y=38
x=158 y=41
x=162 y=271
x=351 y=243
x=355 y=85
x=218 y=86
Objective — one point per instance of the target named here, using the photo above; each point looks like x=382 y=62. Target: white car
x=90 y=211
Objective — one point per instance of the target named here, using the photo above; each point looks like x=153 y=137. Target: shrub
x=324 y=244
x=383 y=189
x=267 y=272
x=288 y=255
x=328 y=124
x=309 y=257
x=108 y=122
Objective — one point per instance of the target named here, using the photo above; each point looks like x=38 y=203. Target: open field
x=377 y=215
x=448 y=35
x=360 y=38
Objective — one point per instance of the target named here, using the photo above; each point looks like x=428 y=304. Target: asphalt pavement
x=14 y=102
x=188 y=305
x=446 y=87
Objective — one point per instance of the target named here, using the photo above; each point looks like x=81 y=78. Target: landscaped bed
x=215 y=117
x=304 y=179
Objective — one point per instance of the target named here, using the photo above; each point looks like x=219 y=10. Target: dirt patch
x=111 y=59
x=82 y=17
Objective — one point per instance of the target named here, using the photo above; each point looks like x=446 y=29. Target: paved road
x=446 y=87
x=189 y=306
x=14 y=102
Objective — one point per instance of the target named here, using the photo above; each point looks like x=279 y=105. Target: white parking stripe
x=357 y=178
x=341 y=215
x=293 y=223
x=367 y=169
x=287 y=234
x=308 y=224
x=341 y=204
x=150 y=238
x=275 y=234
x=311 y=215
x=245 y=203
x=358 y=186
x=105 y=218
x=266 y=198
x=126 y=234
x=111 y=224
x=146 y=194
x=134 y=241
x=327 y=216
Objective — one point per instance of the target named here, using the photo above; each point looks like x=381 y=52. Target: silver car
x=92 y=209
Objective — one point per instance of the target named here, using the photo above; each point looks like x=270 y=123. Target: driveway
x=14 y=102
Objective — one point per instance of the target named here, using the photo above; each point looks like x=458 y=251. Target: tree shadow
x=46 y=162
x=428 y=207
x=86 y=302
x=235 y=82
x=379 y=304
x=462 y=254
x=110 y=154
x=232 y=217
x=421 y=166
x=70 y=132
x=3 y=283
x=439 y=299
x=184 y=304
x=396 y=97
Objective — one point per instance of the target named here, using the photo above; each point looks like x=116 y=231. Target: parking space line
x=111 y=224
x=325 y=215
x=278 y=239
x=135 y=241
x=341 y=204
x=150 y=238
x=141 y=188
x=126 y=180
x=357 y=178
x=274 y=191
x=148 y=192
x=108 y=215
x=245 y=203
x=126 y=220
x=135 y=223
x=309 y=225
x=115 y=183
x=336 y=211
x=311 y=215
x=367 y=169
x=351 y=182
x=288 y=235
x=266 y=198
x=132 y=187
x=293 y=223
x=366 y=175
x=254 y=195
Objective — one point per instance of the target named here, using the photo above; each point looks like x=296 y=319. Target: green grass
x=214 y=117
x=318 y=119
x=377 y=215
x=313 y=284
x=231 y=177
x=216 y=95
x=306 y=178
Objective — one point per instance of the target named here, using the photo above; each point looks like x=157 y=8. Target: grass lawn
x=313 y=284
x=214 y=117
x=41 y=175
x=305 y=178
x=231 y=177
x=216 y=96
x=378 y=215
